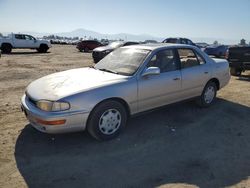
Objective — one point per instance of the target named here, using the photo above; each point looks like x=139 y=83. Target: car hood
x=103 y=48
x=58 y=85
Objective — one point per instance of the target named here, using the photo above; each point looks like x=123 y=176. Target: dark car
x=101 y=52
x=239 y=59
x=179 y=41
x=217 y=51
x=87 y=45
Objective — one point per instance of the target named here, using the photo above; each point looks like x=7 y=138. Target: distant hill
x=84 y=33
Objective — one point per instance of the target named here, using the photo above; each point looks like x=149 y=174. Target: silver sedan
x=129 y=80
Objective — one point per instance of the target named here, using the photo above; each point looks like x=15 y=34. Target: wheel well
x=117 y=99
x=122 y=101
x=6 y=44
x=216 y=81
x=43 y=45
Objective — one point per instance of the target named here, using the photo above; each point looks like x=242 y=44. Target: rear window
x=19 y=37
x=171 y=41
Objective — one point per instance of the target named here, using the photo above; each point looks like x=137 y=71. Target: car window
x=130 y=43
x=171 y=40
x=188 y=58
x=165 y=60
x=27 y=37
x=201 y=59
x=189 y=42
x=183 y=41
x=19 y=37
x=123 y=61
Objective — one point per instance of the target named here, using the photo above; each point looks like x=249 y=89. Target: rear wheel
x=43 y=48
x=107 y=120
x=208 y=95
x=235 y=71
x=6 y=48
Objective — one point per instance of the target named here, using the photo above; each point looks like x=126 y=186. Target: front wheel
x=43 y=48
x=208 y=95
x=107 y=120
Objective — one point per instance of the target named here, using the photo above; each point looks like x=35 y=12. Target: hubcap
x=110 y=121
x=209 y=94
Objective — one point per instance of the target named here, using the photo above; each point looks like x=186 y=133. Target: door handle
x=205 y=72
x=176 y=78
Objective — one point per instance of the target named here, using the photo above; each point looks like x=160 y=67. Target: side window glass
x=189 y=42
x=187 y=58
x=27 y=37
x=201 y=59
x=165 y=60
x=18 y=37
x=183 y=41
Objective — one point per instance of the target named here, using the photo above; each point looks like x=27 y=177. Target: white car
x=23 y=41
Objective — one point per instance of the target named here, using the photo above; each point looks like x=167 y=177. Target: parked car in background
x=201 y=45
x=101 y=52
x=149 y=42
x=129 y=80
x=87 y=45
x=239 y=59
x=216 y=50
x=23 y=41
x=179 y=41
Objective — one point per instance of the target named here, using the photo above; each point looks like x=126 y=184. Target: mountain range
x=84 y=33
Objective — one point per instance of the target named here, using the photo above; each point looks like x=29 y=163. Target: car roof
x=154 y=46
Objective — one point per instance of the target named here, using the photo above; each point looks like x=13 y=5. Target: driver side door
x=164 y=88
x=30 y=41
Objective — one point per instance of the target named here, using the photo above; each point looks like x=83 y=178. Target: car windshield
x=115 y=44
x=124 y=61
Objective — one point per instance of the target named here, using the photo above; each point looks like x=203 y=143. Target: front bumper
x=75 y=121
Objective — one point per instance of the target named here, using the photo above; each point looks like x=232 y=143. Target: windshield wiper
x=107 y=70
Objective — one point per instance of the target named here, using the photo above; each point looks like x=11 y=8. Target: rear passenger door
x=19 y=40
x=195 y=72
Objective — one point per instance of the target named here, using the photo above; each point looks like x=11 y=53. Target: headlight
x=52 y=106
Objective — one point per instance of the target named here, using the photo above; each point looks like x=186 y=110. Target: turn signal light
x=55 y=122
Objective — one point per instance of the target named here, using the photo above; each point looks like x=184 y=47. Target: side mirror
x=151 y=71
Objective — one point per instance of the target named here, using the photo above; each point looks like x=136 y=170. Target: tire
x=235 y=71
x=208 y=95
x=43 y=48
x=86 y=49
x=107 y=120
x=6 y=48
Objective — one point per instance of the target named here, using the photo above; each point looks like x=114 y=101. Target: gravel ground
x=180 y=145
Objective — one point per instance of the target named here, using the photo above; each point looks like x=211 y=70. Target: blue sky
x=229 y=19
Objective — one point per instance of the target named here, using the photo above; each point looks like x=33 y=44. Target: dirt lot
x=180 y=145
